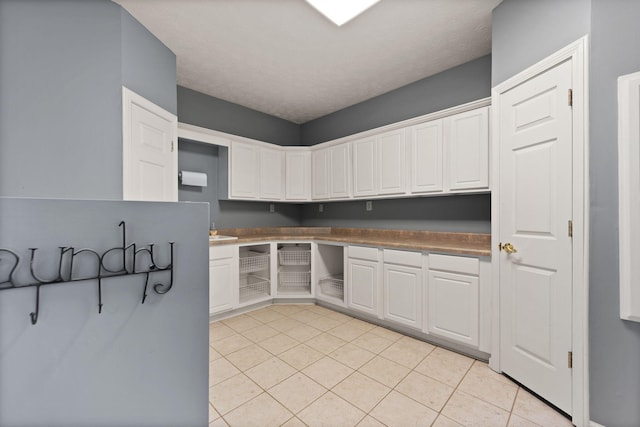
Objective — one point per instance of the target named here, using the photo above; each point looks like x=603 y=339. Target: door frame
x=578 y=53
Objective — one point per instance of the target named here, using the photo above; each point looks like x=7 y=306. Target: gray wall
x=458 y=85
x=526 y=31
x=199 y=109
x=468 y=213
x=614 y=343
x=199 y=157
x=132 y=365
x=62 y=66
x=60 y=109
x=148 y=66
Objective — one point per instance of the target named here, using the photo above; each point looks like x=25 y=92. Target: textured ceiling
x=283 y=58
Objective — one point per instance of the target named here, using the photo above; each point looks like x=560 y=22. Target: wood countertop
x=477 y=244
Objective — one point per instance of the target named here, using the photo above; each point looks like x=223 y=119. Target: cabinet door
x=453 y=306
x=362 y=285
x=391 y=162
x=244 y=164
x=364 y=167
x=320 y=174
x=339 y=167
x=468 y=150
x=222 y=285
x=298 y=175
x=425 y=150
x=271 y=174
x=403 y=294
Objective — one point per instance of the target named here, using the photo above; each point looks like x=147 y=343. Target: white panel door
x=403 y=294
x=222 y=285
x=362 y=285
x=391 y=162
x=468 y=149
x=271 y=174
x=365 y=167
x=426 y=157
x=339 y=171
x=453 y=306
x=536 y=205
x=244 y=172
x=320 y=174
x=150 y=157
x=298 y=175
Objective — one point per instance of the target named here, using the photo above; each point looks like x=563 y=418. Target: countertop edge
x=447 y=248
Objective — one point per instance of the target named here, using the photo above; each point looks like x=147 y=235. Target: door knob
x=508 y=248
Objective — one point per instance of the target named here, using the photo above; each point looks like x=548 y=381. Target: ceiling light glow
x=341 y=11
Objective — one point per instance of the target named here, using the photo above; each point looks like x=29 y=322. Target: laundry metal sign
x=78 y=265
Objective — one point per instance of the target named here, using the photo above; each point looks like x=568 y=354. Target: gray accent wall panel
x=132 y=365
x=60 y=109
x=614 y=343
x=526 y=31
x=465 y=83
x=469 y=213
x=202 y=110
x=148 y=66
x=200 y=157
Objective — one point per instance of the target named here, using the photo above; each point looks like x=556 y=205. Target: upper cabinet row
x=447 y=155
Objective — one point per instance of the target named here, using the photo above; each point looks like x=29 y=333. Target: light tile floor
x=297 y=365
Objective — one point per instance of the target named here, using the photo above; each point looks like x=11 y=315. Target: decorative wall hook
x=67 y=270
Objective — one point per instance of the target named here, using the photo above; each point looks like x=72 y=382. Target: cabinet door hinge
x=570 y=228
x=570 y=359
x=570 y=97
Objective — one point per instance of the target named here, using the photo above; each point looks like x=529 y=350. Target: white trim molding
x=629 y=194
x=577 y=52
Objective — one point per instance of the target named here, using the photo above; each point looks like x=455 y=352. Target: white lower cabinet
x=402 y=272
x=444 y=296
x=363 y=281
x=454 y=298
x=223 y=278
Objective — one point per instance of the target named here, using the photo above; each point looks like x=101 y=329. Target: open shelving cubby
x=294 y=269
x=255 y=283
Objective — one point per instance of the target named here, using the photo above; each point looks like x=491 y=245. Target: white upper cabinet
x=297 y=175
x=364 y=167
x=244 y=164
x=339 y=171
x=271 y=174
x=320 y=174
x=391 y=162
x=379 y=164
x=426 y=157
x=448 y=154
x=467 y=139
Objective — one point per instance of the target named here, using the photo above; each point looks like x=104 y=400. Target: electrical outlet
x=320 y=207
x=272 y=207
x=369 y=206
